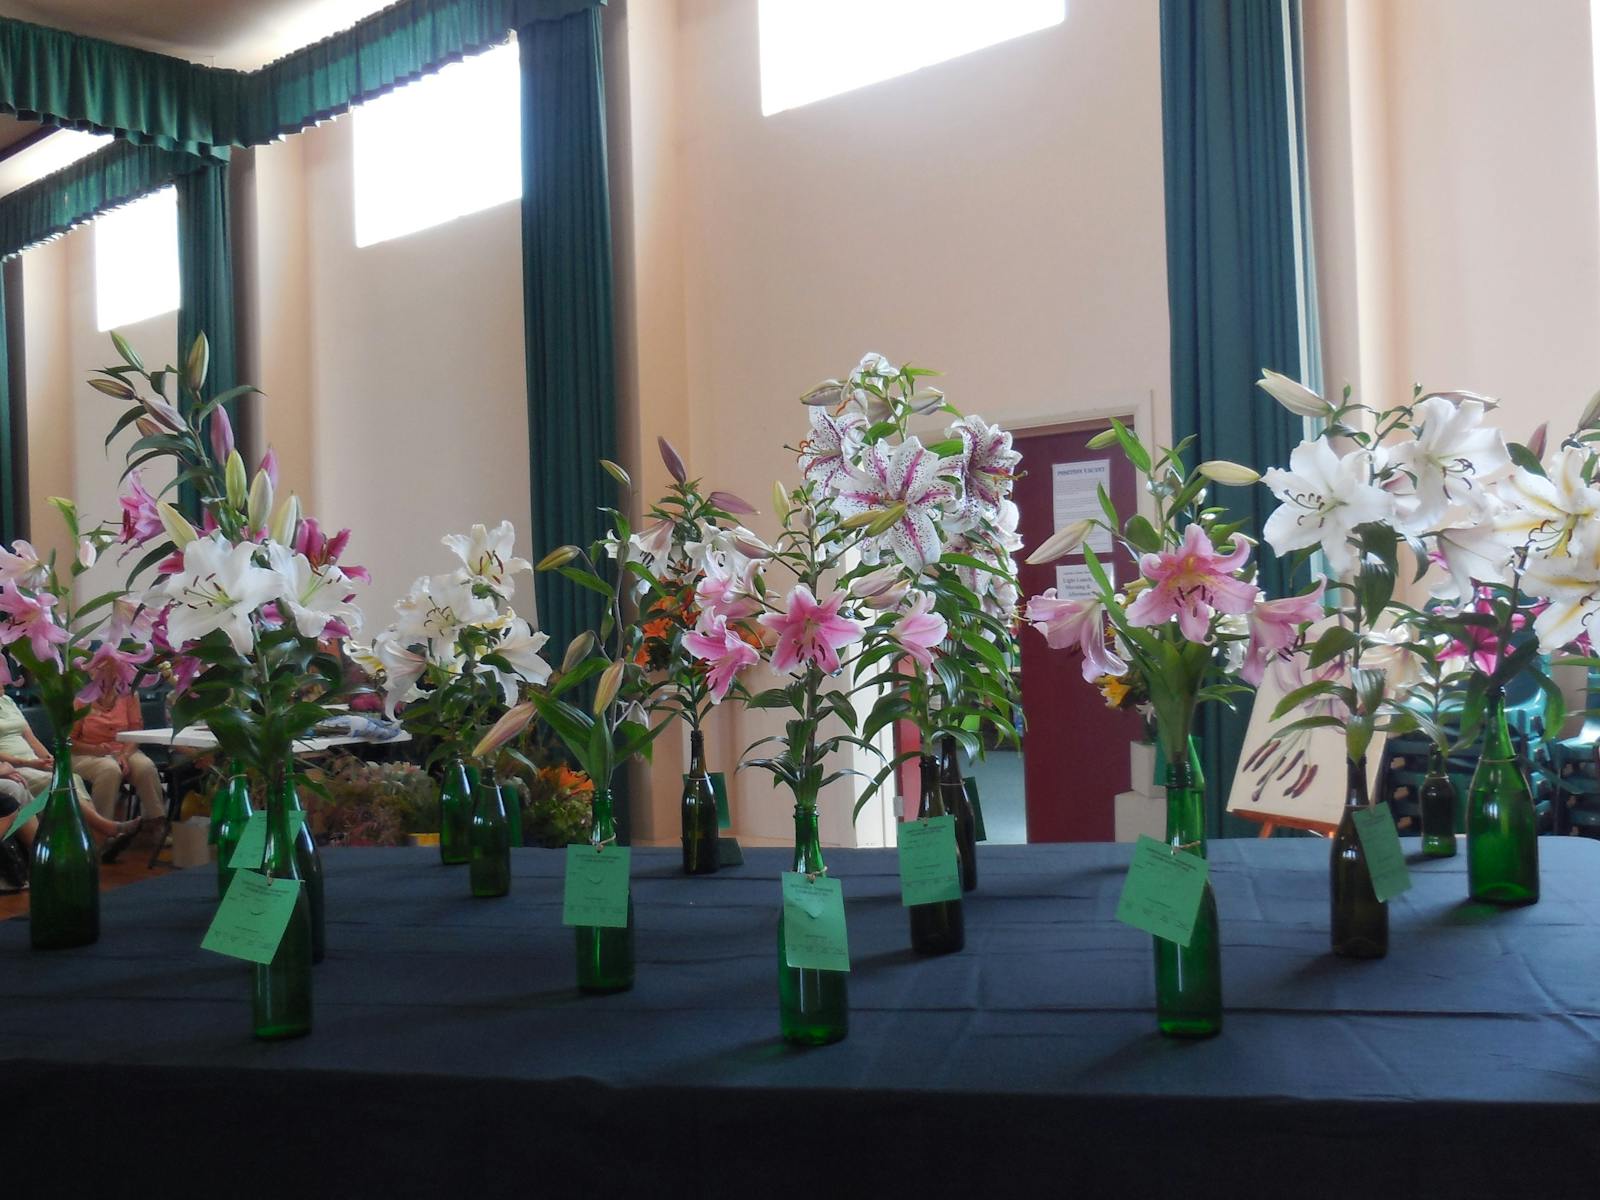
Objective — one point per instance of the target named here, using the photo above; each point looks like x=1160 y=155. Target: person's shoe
x=120 y=840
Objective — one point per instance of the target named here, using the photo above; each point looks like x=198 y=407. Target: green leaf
x=1525 y=458
x=1337 y=640
x=1131 y=446
x=1142 y=534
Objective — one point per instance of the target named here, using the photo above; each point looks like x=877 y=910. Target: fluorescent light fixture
x=136 y=260
x=47 y=156
x=813 y=49
x=439 y=148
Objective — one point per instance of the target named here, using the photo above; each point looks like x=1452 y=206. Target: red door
x=1075 y=750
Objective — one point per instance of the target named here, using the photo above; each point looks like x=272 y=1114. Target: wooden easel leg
x=1267 y=828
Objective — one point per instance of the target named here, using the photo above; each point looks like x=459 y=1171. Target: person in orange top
x=104 y=762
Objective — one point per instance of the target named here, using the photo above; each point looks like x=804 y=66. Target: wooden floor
x=128 y=869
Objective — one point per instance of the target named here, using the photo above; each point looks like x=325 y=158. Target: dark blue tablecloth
x=450 y=1038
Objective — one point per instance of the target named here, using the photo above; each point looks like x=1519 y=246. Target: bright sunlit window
x=813 y=49
x=136 y=260
x=439 y=148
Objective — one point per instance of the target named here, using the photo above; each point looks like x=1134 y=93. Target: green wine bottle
x=1189 y=978
x=699 y=812
x=958 y=802
x=1360 y=924
x=940 y=927
x=455 y=813
x=813 y=1005
x=1502 y=827
x=489 y=872
x=281 y=991
x=1438 y=805
x=64 y=877
x=309 y=862
x=231 y=803
x=605 y=954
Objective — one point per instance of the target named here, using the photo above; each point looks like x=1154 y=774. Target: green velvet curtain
x=566 y=305
x=1238 y=280
x=10 y=522
x=205 y=283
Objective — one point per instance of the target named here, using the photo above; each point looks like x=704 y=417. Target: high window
x=136 y=260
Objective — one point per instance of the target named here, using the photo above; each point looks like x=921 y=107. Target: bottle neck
x=1435 y=761
x=1497 y=742
x=807 y=841
x=1355 y=795
x=932 y=802
x=280 y=836
x=1186 y=808
x=949 y=761
x=697 y=753
x=604 y=827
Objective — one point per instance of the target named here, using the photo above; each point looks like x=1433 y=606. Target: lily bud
x=877 y=583
x=198 y=362
x=577 y=650
x=610 y=685
x=86 y=553
x=1220 y=470
x=829 y=392
x=146 y=427
x=114 y=388
x=178 y=529
x=860 y=520
x=269 y=465
x=729 y=503
x=1106 y=437
x=1591 y=413
x=1294 y=396
x=559 y=557
x=1063 y=541
x=221 y=430
x=673 y=460
x=234 y=478
x=260 y=506
x=165 y=415
x=286 y=520
x=751 y=549
x=1541 y=436
x=616 y=472
x=516 y=719
x=887 y=520
x=780 y=499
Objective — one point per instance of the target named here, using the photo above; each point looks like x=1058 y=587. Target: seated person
x=26 y=764
x=104 y=762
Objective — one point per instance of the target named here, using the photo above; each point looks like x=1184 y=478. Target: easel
x=1271 y=824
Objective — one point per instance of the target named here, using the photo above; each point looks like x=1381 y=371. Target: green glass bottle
x=281 y=991
x=605 y=954
x=1360 y=924
x=489 y=870
x=511 y=795
x=1502 y=827
x=455 y=813
x=64 y=877
x=1438 y=805
x=940 y=927
x=232 y=806
x=1189 y=978
x=959 y=803
x=813 y=1005
x=699 y=812
x=309 y=862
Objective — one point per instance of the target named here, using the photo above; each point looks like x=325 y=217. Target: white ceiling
x=243 y=34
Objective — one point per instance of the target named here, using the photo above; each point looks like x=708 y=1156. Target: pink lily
x=221 y=432
x=28 y=617
x=725 y=593
x=810 y=631
x=1065 y=623
x=111 y=672
x=269 y=467
x=988 y=463
x=1192 y=583
x=140 y=520
x=185 y=670
x=130 y=620
x=919 y=630
x=1479 y=643
x=22 y=566
x=1275 y=627
x=825 y=455
x=722 y=649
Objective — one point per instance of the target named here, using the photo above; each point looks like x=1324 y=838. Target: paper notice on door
x=1073 y=581
x=1076 y=495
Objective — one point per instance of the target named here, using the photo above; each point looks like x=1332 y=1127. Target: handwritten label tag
x=252 y=917
x=1163 y=890
x=813 y=923
x=929 y=871
x=596 y=892
x=1380 y=842
x=26 y=813
x=252 y=847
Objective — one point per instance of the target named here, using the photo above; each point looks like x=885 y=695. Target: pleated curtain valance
x=63 y=79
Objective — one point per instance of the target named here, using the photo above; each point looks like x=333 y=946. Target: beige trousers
x=104 y=777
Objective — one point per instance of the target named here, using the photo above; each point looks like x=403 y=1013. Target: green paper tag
x=596 y=893
x=719 y=789
x=813 y=923
x=970 y=786
x=1380 y=842
x=252 y=917
x=32 y=808
x=929 y=871
x=252 y=846
x=1163 y=890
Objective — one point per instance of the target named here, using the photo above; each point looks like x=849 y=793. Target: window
x=813 y=49
x=439 y=148
x=136 y=260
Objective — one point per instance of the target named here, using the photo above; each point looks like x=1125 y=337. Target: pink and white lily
x=810 y=631
x=918 y=631
x=908 y=475
x=111 y=672
x=141 y=521
x=1275 y=628
x=1080 y=623
x=826 y=456
x=1193 y=583
x=29 y=617
x=722 y=650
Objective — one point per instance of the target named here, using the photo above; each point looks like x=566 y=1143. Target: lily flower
x=1192 y=583
x=810 y=631
x=436 y=607
x=22 y=566
x=726 y=593
x=1324 y=498
x=1449 y=458
x=140 y=519
x=907 y=475
x=219 y=587
x=1275 y=628
x=1479 y=644
x=1081 y=623
x=111 y=672
x=988 y=463
x=919 y=631
x=488 y=557
x=316 y=601
x=1571 y=584
x=722 y=649
x=23 y=616
x=402 y=667
x=520 y=647
x=826 y=456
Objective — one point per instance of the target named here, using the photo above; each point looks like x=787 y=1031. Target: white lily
x=1571 y=583
x=436 y=607
x=313 y=599
x=1294 y=396
x=487 y=555
x=1450 y=458
x=909 y=475
x=23 y=566
x=402 y=667
x=1324 y=497
x=520 y=647
x=220 y=587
